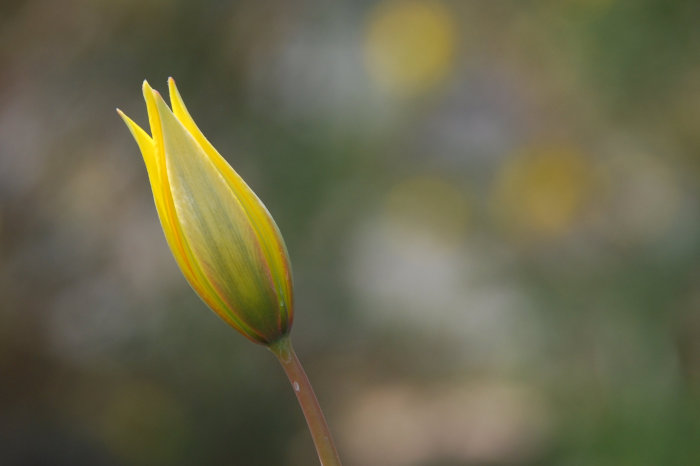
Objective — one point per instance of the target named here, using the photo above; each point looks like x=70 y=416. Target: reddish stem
x=327 y=453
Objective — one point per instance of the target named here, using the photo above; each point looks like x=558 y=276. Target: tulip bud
x=222 y=236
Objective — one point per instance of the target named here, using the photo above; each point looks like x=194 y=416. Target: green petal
x=262 y=222
x=218 y=230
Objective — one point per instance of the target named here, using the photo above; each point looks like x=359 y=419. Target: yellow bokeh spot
x=431 y=204
x=409 y=45
x=543 y=192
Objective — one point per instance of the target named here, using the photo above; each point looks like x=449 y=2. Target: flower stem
x=327 y=453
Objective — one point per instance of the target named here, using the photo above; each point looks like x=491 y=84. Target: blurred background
x=492 y=210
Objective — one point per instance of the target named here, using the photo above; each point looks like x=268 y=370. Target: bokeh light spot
x=409 y=45
x=543 y=192
x=644 y=197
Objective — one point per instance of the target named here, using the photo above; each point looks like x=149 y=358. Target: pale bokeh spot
x=490 y=422
x=645 y=197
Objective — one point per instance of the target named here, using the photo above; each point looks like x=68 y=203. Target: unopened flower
x=222 y=236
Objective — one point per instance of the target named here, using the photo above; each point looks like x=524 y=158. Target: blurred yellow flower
x=543 y=191
x=222 y=236
x=409 y=45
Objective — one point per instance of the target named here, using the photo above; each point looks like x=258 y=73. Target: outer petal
x=215 y=229
x=161 y=189
x=272 y=244
x=149 y=151
x=146 y=146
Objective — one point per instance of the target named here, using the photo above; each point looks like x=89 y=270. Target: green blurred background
x=492 y=210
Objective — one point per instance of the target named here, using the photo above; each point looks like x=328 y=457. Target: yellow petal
x=271 y=241
x=216 y=227
x=145 y=144
x=148 y=150
x=161 y=190
x=151 y=153
x=173 y=232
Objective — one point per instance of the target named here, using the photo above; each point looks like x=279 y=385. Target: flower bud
x=222 y=236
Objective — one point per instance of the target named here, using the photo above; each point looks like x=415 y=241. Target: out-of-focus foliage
x=492 y=211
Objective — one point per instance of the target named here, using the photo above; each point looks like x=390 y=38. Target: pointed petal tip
x=172 y=87
x=154 y=93
x=175 y=99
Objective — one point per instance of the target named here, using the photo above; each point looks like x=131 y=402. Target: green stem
x=327 y=453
